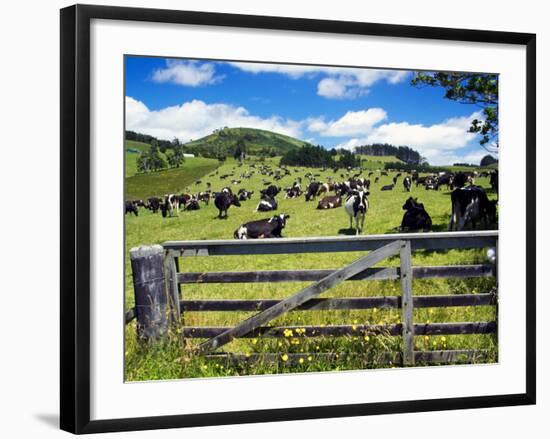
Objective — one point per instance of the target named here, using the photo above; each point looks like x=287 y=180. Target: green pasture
x=172 y=359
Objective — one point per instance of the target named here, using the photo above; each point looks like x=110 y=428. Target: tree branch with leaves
x=480 y=89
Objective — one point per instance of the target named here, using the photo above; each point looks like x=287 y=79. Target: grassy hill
x=254 y=140
x=138 y=186
x=131 y=155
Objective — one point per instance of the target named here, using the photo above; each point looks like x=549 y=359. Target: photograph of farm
x=296 y=218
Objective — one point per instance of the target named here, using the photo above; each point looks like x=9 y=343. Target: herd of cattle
x=469 y=202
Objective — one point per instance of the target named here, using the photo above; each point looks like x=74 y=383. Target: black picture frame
x=75 y=217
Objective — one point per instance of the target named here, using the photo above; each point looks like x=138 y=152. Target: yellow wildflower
x=367 y=338
x=354 y=327
x=254 y=340
x=443 y=339
x=309 y=358
x=284 y=357
x=301 y=361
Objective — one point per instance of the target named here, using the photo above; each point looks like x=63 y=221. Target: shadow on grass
x=349 y=232
x=443 y=227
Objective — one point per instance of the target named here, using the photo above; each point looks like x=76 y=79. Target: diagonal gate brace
x=301 y=297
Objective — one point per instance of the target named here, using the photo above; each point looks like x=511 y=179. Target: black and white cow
x=357 y=205
x=270 y=191
x=445 y=179
x=224 y=201
x=460 y=180
x=204 y=197
x=293 y=192
x=154 y=204
x=407 y=183
x=266 y=204
x=184 y=199
x=471 y=205
x=193 y=204
x=330 y=202
x=171 y=205
x=415 y=218
x=312 y=190
x=264 y=228
x=130 y=207
x=244 y=194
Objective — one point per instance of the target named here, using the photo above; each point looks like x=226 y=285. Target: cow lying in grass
x=330 y=202
x=264 y=228
x=415 y=218
x=266 y=204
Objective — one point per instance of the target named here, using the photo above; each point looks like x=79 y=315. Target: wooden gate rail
x=379 y=246
x=379 y=273
x=334 y=304
x=419 y=241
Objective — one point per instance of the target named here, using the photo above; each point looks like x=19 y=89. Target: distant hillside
x=403 y=153
x=255 y=141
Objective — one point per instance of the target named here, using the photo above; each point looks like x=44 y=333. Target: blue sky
x=334 y=107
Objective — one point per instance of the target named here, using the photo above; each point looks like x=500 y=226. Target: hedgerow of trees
x=404 y=153
x=317 y=156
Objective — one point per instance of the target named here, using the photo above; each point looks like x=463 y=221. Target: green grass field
x=141 y=186
x=171 y=360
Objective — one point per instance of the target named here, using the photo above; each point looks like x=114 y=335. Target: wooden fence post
x=149 y=291
x=407 y=303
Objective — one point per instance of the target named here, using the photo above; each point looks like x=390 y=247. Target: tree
x=488 y=160
x=479 y=89
x=347 y=159
x=240 y=151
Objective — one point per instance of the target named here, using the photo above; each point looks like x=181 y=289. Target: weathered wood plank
x=378 y=273
x=342 y=330
x=172 y=286
x=419 y=241
x=407 y=303
x=301 y=297
x=149 y=291
x=344 y=303
x=426 y=357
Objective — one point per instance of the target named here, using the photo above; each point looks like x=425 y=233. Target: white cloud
x=188 y=73
x=355 y=83
x=294 y=71
x=353 y=123
x=338 y=82
x=195 y=119
x=441 y=143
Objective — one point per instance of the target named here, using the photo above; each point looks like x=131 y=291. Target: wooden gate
x=157 y=307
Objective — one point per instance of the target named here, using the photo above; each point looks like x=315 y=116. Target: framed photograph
x=275 y=218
